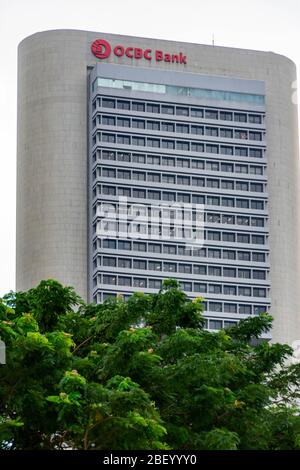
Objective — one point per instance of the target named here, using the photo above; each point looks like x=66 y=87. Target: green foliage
x=141 y=374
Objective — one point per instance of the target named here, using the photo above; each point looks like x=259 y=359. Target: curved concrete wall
x=52 y=217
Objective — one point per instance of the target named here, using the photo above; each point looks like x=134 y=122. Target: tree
x=141 y=374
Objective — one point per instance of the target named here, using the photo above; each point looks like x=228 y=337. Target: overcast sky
x=269 y=25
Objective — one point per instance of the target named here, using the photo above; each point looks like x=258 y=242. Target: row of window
x=141 y=230
x=208 y=165
x=176 y=215
x=179 y=127
x=170 y=109
x=172 y=196
x=182 y=180
x=173 y=249
x=201 y=287
x=186 y=268
x=182 y=145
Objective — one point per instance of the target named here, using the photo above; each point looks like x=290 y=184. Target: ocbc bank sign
x=102 y=49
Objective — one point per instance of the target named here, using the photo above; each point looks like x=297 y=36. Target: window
x=198 y=130
x=107 y=103
x=200 y=287
x=212 y=131
x=138 y=158
x=215 y=307
x=213 y=218
x=256 y=153
x=198 y=181
x=185 y=268
x=216 y=236
x=139 y=246
x=244 y=273
x=169 y=196
x=154 y=283
x=229 y=290
x=241 y=151
x=168 y=161
x=212 y=166
x=212 y=183
x=109 y=261
x=228 y=219
x=123 y=157
x=256 y=187
x=259 y=205
x=215 y=324
x=139 y=193
x=108 y=138
x=183 y=162
x=212 y=253
x=214 y=271
x=258 y=292
x=139 y=175
x=170 y=267
x=242 y=203
x=215 y=289
x=225 y=116
x=230 y=308
x=196 y=112
x=124 y=245
x=186 y=286
x=124 y=262
x=228 y=254
x=227 y=133
x=197 y=147
x=139 y=282
x=181 y=145
x=240 y=134
x=139 y=264
x=245 y=291
x=155 y=265
x=168 y=144
x=109 y=279
x=198 y=199
x=258 y=309
x=138 y=123
x=210 y=114
x=169 y=179
x=124 y=281
x=154 y=195
x=152 y=108
x=243 y=238
x=241 y=168
x=154 y=177
x=245 y=309
x=123 y=104
x=258 y=257
x=111 y=244
x=258 y=239
x=166 y=109
x=108 y=120
x=228 y=237
x=226 y=150
x=213 y=201
x=124 y=174
x=255 y=119
x=153 y=125
x=182 y=197
x=153 y=143
x=181 y=111
x=256 y=170
x=240 y=117
x=259 y=274
x=182 y=128
x=108 y=173
x=109 y=190
x=123 y=122
x=243 y=255
x=229 y=272
x=137 y=106
x=199 y=268
x=154 y=248
x=153 y=160
x=106 y=155
x=167 y=127
x=227 y=167
x=212 y=148
x=169 y=249
x=255 y=135
x=227 y=184
x=138 y=141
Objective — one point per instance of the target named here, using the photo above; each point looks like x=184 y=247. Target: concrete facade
x=52 y=198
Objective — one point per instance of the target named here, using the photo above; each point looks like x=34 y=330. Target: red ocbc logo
x=102 y=49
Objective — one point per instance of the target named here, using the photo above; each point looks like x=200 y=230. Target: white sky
x=270 y=25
